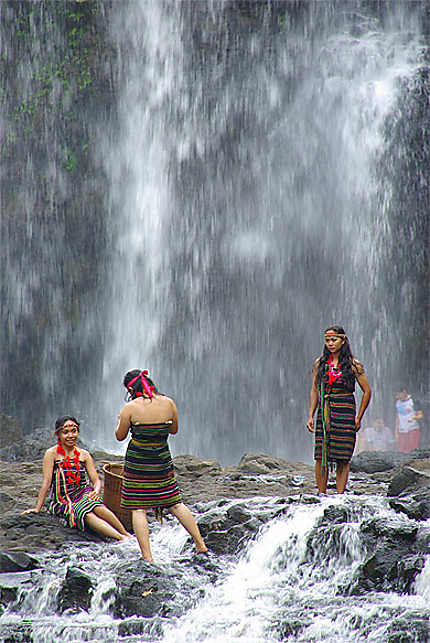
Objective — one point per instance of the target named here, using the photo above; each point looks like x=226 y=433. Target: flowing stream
x=289 y=583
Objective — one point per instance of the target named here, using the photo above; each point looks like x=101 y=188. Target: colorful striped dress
x=149 y=478
x=69 y=500
x=340 y=427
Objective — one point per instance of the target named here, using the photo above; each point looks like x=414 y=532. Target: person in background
x=65 y=470
x=333 y=384
x=407 y=428
x=149 y=478
x=377 y=437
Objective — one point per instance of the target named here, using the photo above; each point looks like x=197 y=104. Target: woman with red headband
x=149 y=478
x=333 y=385
x=65 y=470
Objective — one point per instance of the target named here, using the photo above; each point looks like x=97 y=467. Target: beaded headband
x=327 y=335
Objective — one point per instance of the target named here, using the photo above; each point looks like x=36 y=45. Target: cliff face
x=56 y=96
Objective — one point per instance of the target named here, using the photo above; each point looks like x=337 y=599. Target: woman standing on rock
x=149 y=478
x=72 y=498
x=333 y=384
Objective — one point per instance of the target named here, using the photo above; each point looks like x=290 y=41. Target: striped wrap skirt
x=149 y=477
x=70 y=501
x=340 y=425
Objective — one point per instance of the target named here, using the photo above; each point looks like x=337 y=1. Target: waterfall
x=251 y=208
x=199 y=188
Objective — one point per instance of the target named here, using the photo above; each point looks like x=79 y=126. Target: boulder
x=76 y=591
x=17 y=561
x=10 y=583
x=186 y=464
x=415 y=504
x=393 y=558
x=410 y=475
x=375 y=461
x=144 y=589
x=257 y=463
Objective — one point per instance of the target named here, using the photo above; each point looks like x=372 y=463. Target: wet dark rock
x=412 y=474
x=18 y=633
x=394 y=559
x=412 y=627
x=76 y=591
x=143 y=589
x=152 y=629
x=416 y=504
x=14 y=561
x=375 y=461
x=10 y=583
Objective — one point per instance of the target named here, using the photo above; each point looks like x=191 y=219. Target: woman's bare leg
x=187 y=520
x=102 y=527
x=321 y=476
x=141 y=529
x=106 y=514
x=342 y=473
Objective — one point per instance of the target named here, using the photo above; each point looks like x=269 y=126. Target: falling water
x=249 y=209
x=199 y=188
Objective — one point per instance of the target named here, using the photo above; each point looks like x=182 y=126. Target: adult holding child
x=65 y=471
x=149 y=478
x=333 y=384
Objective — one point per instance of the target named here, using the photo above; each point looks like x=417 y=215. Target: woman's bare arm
x=313 y=399
x=47 y=468
x=365 y=399
x=174 y=427
x=124 y=423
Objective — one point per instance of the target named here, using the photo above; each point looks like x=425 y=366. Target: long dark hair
x=59 y=423
x=346 y=361
x=136 y=388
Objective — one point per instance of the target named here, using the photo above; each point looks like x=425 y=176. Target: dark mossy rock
x=76 y=592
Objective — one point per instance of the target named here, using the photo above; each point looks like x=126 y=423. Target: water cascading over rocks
x=248 y=173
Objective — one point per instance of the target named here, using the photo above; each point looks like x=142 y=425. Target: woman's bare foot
x=148 y=560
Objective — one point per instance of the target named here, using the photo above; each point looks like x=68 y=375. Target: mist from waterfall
x=250 y=208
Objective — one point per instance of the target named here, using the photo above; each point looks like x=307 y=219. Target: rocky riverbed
x=200 y=481
x=271 y=536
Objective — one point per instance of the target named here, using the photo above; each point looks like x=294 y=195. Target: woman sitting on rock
x=149 y=478
x=71 y=498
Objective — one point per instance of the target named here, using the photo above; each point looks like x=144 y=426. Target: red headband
x=148 y=389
